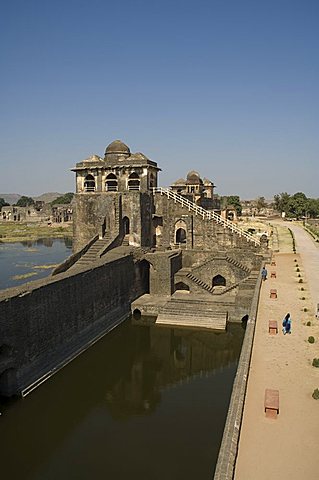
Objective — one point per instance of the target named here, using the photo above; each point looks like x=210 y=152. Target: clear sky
x=226 y=87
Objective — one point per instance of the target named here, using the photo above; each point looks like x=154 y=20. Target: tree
x=232 y=201
x=25 y=201
x=281 y=201
x=260 y=203
x=66 y=198
x=3 y=203
x=297 y=205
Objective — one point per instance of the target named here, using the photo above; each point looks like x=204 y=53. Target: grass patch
x=315 y=362
x=315 y=394
x=311 y=339
x=23 y=276
x=45 y=267
x=20 y=232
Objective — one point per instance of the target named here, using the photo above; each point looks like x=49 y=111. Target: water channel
x=145 y=402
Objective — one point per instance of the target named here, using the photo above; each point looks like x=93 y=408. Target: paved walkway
x=287 y=447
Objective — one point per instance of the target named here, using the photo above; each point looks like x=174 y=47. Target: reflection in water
x=144 y=402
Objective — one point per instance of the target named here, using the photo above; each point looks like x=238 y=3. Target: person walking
x=286 y=324
x=264 y=274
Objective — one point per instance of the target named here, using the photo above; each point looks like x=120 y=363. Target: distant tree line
x=3 y=203
x=66 y=198
x=297 y=205
x=29 y=201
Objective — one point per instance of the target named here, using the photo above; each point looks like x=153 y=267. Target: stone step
x=198 y=321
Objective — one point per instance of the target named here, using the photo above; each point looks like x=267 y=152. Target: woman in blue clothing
x=286 y=324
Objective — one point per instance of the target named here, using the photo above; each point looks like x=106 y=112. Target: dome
x=117 y=148
x=193 y=178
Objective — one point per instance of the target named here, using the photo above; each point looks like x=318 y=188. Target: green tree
x=64 y=199
x=25 y=201
x=260 y=203
x=232 y=201
x=297 y=205
x=312 y=207
x=3 y=203
x=281 y=201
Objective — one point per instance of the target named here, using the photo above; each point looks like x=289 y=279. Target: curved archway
x=111 y=183
x=126 y=225
x=133 y=181
x=181 y=286
x=89 y=183
x=219 y=281
x=180 y=236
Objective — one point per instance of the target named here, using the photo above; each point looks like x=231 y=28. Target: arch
x=111 y=183
x=133 y=181
x=219 y=281
x=152 y=180
x=89 y=183
x=230 y=215
x=126 y=225
x=180 y=236
x=181 y=286
x=137 y=314
x=145 y=275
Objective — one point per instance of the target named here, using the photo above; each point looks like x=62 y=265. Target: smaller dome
x=193 y=178
x=117 y=148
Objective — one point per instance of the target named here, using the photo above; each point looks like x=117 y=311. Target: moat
x=145 y=402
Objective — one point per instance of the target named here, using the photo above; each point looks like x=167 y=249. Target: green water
x=143 y=403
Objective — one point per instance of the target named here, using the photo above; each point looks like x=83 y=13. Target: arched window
x=133 y=181
x=219 y=281
x=152 y=180
x=111 y=183
x=89 y=183
x=181 y=235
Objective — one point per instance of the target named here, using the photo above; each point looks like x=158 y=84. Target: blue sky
x=226 y=87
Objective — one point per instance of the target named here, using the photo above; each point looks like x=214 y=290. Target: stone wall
x=45 y=323
x=103 y=213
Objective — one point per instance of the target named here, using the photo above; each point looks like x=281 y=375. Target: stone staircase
x=93 y=252
x=125 y=242
x=200 y=282
x=191 y=313
x=237 y=264
x=207 y=215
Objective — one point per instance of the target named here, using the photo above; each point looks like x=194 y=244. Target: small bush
x=302 y=289
x=308 y=324
x=300 y=280
x=299 y=275
x=303 y=298
x=305 y=309
x=311 y=339
x=295 y=260
x=297 y=269
x=315 y=394
x=315 y=362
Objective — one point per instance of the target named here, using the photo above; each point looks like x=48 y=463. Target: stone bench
x=273 y=275
x=271 y=403
x=273 y=293
x=273 y=327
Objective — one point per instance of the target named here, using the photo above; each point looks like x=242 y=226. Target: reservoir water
x=145 y=402
x=22 y=262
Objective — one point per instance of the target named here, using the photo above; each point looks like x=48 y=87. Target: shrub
x=308 y=324
x=315 y=362
x=295 y=260
x=302 y=289
x=299 y=275
x=315 y=394
x=311 y=339
x=297 y=269
x=303 y=298
x=300 y=280
x=305 y=309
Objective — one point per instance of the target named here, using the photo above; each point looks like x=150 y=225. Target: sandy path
x=285 y=448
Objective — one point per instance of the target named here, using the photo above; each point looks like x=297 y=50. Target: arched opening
x=145 y=276
x=111 y=183
x=219 y=281
x=137 y=314
x=89 y=183
x=126 y=225
x=133 y=181
x=180 y=235
x=181 y=286
x=230 y=216
x=152 y=181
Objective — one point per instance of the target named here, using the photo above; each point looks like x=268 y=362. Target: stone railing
x=205 y=214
